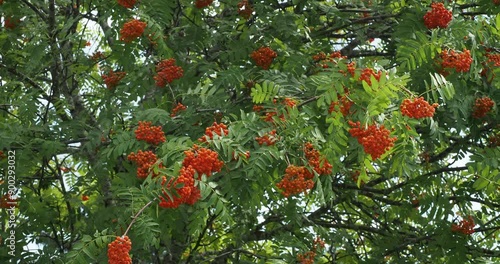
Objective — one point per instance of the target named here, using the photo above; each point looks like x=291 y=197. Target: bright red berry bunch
x=263 y=57
x=132 y=30
x=482 y=106
x=345 y=104
x=323 y=59
x=267 y=139
x=118 y=251
x=309 y=256
x=374 y=139
x=144 y=160
x=460 y=61
x=465 y=227
x=113 y=78
x=127 y=3
x=290 y=102
x=203 y=3
x=297 y=179
x=245 y=9
x=257 y=108
x=177 y=108
x=493 y=59
x=219 y=129
x=367 y=73
x=185 y=191
x=153 y=135
x=167 y=72
x=203 y=160
x=417 y=108
x=320 y=164
x=438 y=17
x=85 y=198
x=7 y=202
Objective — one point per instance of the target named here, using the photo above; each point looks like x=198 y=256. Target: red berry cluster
x=203 y=161
x=144 y=160
x=257 y=108
x=245 y=9
x=417 y=108
x=177 y=108
x=374 y=139
x=97 y=56
x=345 y=104
x=323 y=59
x=113 y=78
x=454 y=60
x=493 y=59
x=85 y=198
x=465 y=227
x=367 y=73
x=153 y=135
x=185 y=191
x=269 y=116
x=482 y=106
x=290 y=102
x=7 y=202
x=127 y=3
x=494 y=141
x=203 y=3
x=268 y=139
x=132 y=30
x=219 y=129
x=439 y=16
x=2 y=156
x=118 y=251
x=263 y=57
x=355 y=177
x=309 y=256
x=496 y=2
x=167 y=72
x=11 y=23
x=320 y=164
x=297 y=179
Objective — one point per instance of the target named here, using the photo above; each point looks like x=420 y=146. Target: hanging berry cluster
x=460 y=61
x=320 y=164
x=185 y=191
x=245 y=9
x=493 y=59
x=345 y=103
x=7 y=202
x=297 y=179
x=494 y=141
x=144 y=160
x=367 y=73
x=482 y=106
x=85 y=198
x=374 y=139
x=290 y=102
x=438 y=17
x=167 y=72
x=118 y=251
x=127 y=3
x=179 y=107
x=309 y=256
x=496 y=2
x=132 y=30
x=203 y=3
x=465 y=227
x=417 y=108
x=153 y=135
x=267 y=139
x=112 y=78
x=203 y=160
x=11 y=23
x=323 y=60
x=219 y=129
x=355 y=177
x=263 y=57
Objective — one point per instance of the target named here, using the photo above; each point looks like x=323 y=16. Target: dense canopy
x=249 y=131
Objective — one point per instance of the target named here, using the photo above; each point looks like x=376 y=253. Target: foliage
x=269 y=131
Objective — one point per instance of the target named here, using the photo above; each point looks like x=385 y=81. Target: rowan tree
x=235 y=131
